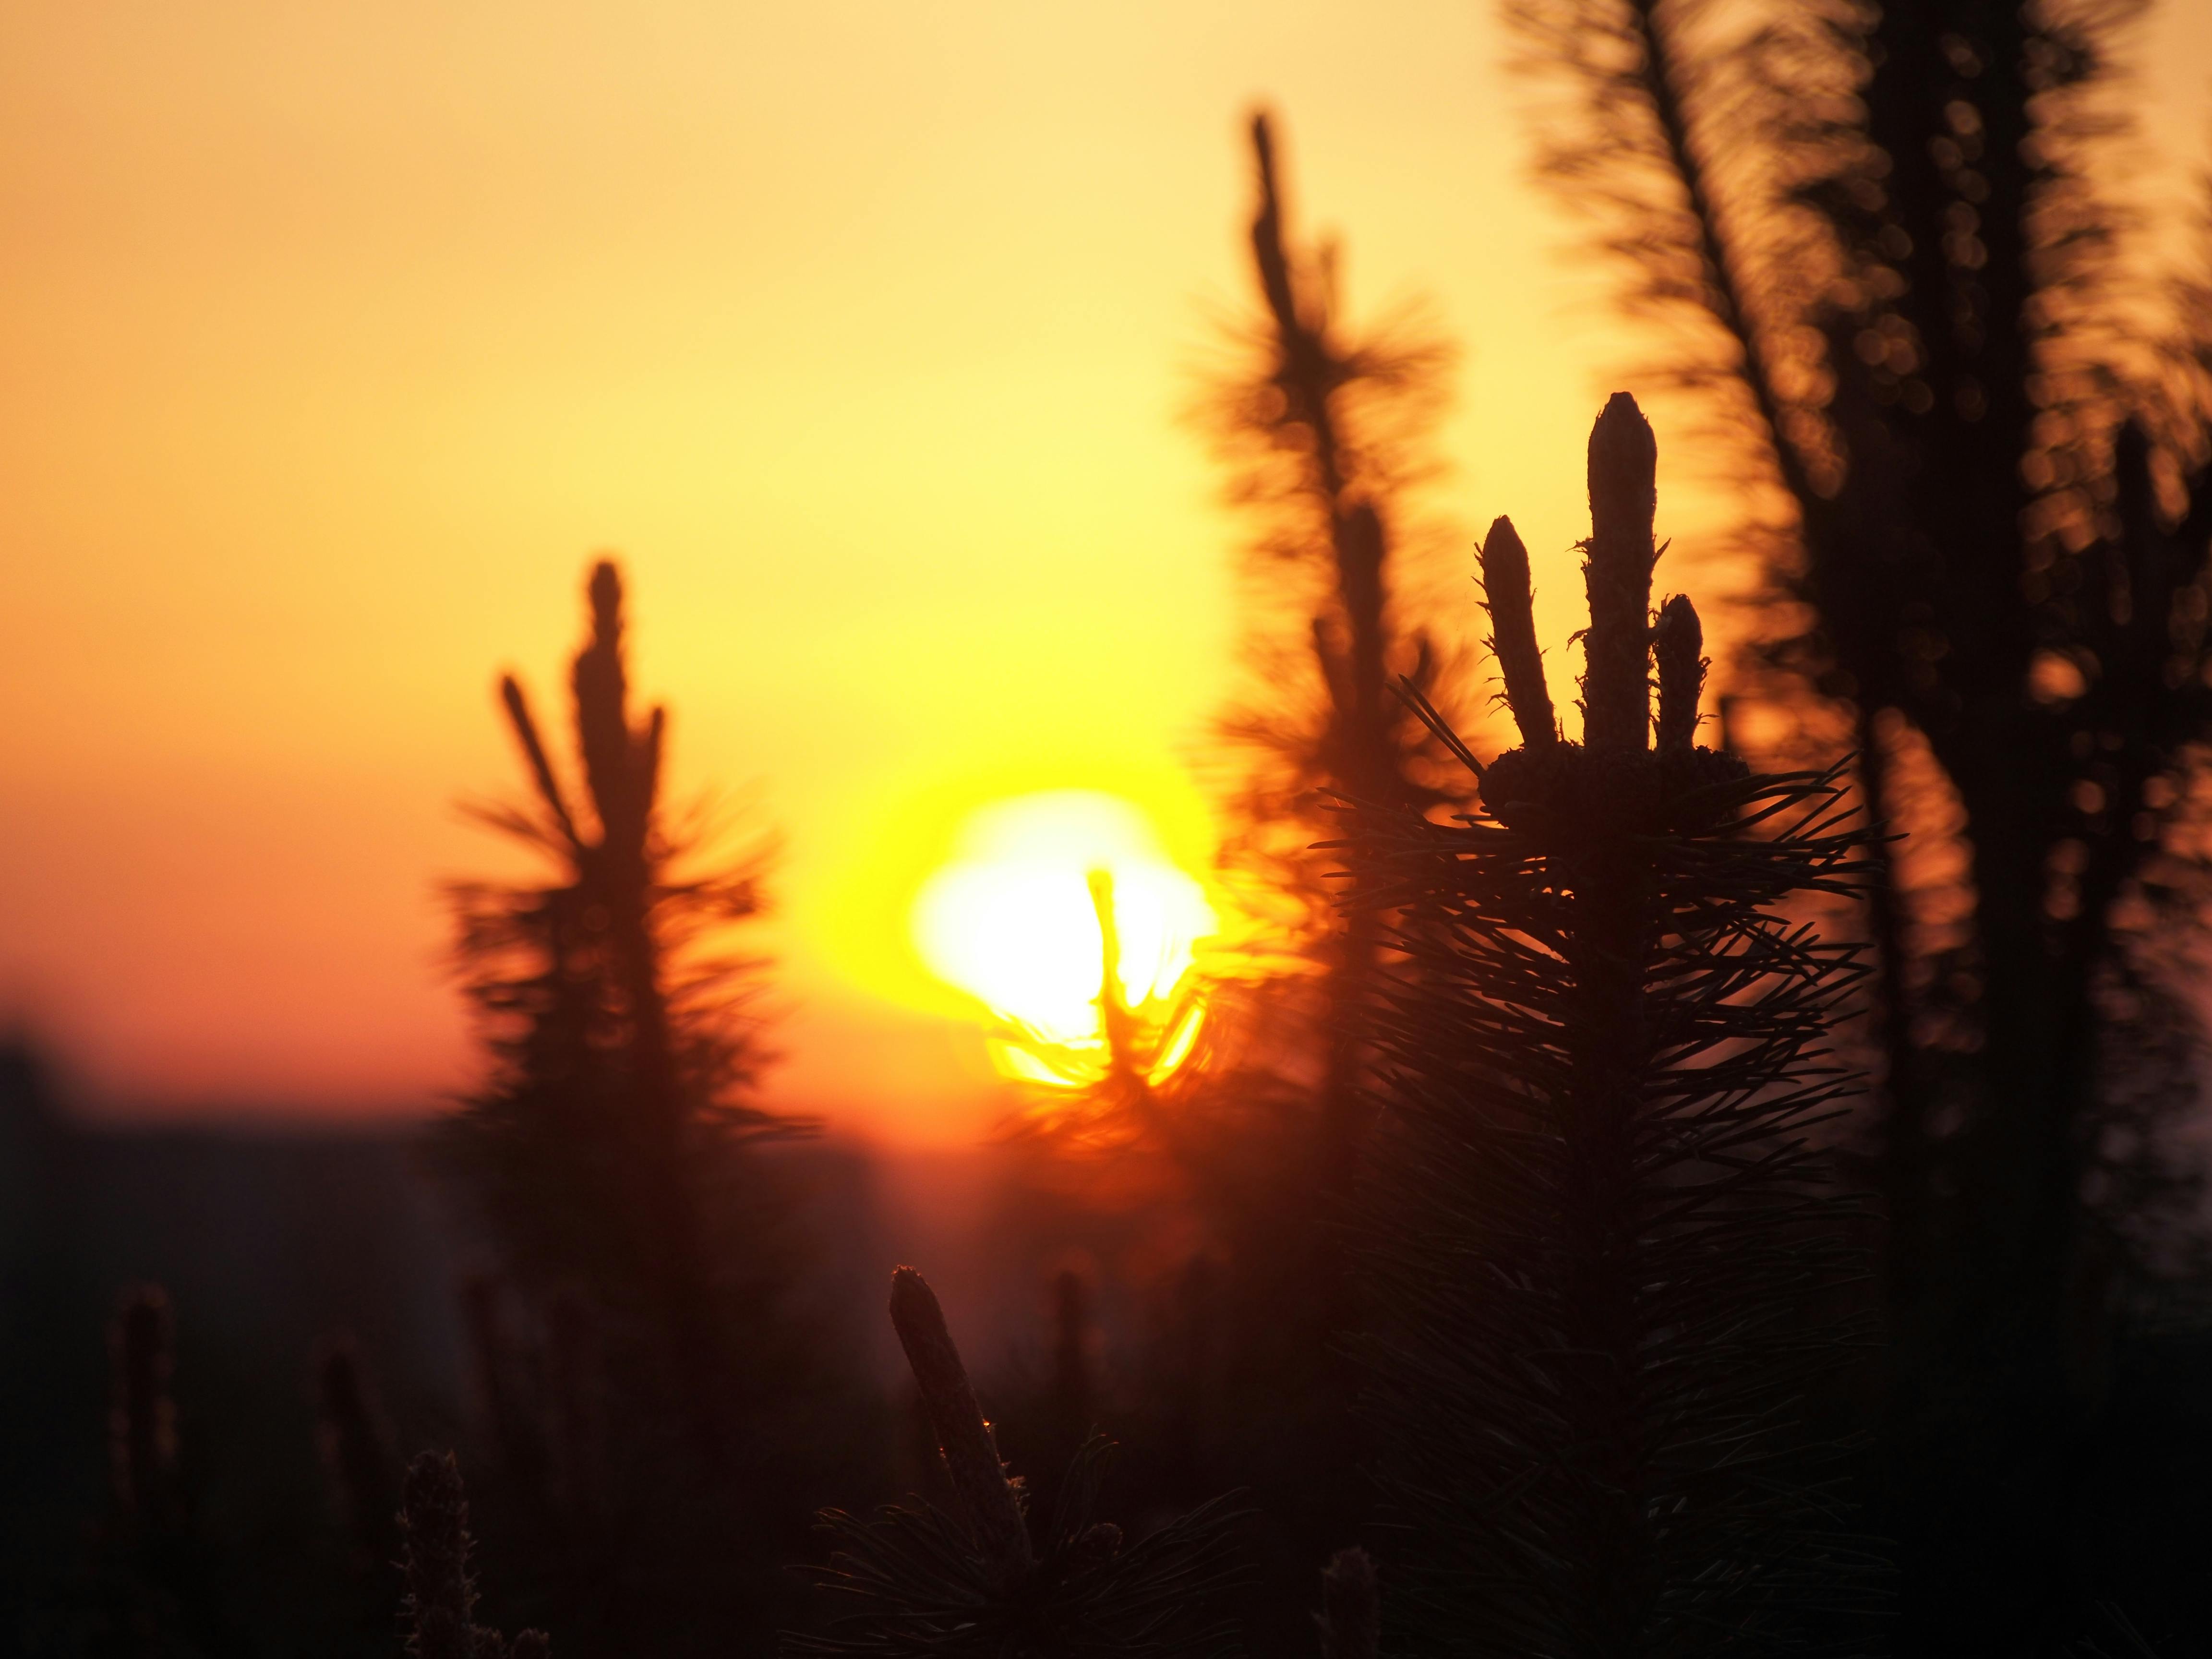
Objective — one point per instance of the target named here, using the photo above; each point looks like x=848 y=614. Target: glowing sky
x=1011 y=917
x=335 y=336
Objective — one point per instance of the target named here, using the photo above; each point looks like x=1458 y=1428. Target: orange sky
x=334 y=338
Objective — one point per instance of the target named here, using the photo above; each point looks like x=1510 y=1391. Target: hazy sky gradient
x=334 y=338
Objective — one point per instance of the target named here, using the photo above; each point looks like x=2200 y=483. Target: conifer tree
x=1600 y=1226
x=1242 y=1100
x=1887 y=238
x=1322 y=427
x=624 y=1062
x=661 y=1409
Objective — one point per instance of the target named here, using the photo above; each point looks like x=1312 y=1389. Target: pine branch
x=977 y=1585
x=1623 y=459
x=1899 y=217
x=1677 y=640
x=1600 y=1222
x=439 y=1611
x=623 y=1054
x=517 y=704
x=1513 y=635
x=992 y=1503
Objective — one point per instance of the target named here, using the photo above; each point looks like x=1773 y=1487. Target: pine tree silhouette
x=1321 y=427
x=1599 y=1226
x=1323 y=432
x=661 y=1406
x=1888 y=232
x=624 y=1062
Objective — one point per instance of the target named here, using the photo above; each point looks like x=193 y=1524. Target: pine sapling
x=1602 y=1234
x=624 y=1054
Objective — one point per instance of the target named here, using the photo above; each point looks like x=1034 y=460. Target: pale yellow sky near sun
x=334 y=337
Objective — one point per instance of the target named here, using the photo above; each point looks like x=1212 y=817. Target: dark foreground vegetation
x=1636 y=1196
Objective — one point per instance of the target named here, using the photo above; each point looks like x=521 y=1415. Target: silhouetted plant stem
x=1363 y=760
x=990 y=1502
x=614 y=1148
x=1125 y=1069
x=623 y=765
x=1333 y=461
x=975 y=1585
x=1513 y=635
x=1677 y=646
x=1617 y=573
x=615 y=1103
x=1889 y=231
x=1597 y=1221
x=1608 y=1038
x=1338 y=484
x=439 y=1607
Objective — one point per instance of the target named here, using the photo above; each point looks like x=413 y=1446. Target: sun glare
x=1010 y=919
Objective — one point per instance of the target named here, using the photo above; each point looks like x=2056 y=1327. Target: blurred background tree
x=1895 y=275
x=1210 y=1187
x=653 y=1397
x=1323 y=431
x=1322 y=428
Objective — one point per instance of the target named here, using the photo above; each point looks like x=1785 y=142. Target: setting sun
x=1011 y=919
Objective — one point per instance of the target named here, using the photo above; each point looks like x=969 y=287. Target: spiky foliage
x=1888 y=242
x=662 y=1403
x=1889 y=236
x=1323 y=427
x=439 y=1610
x=974 y=1581
x=623 y=1053
x=1601 y=1231
x=1107 y=1092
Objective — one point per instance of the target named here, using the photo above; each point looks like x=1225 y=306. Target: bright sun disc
x=1010 y=920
